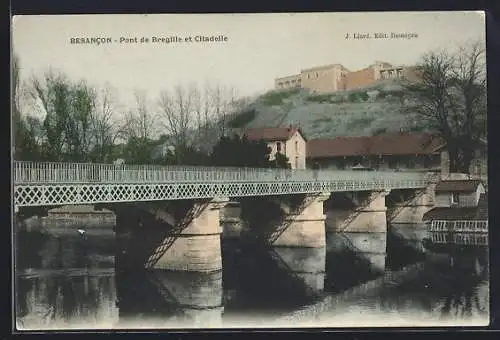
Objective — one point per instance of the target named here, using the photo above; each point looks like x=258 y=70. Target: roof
x=388 y=144
x=482 y=207
x=293 y=76
x=450 y=214
x=322 y=67
x=482 y=142
x=273 y=134
x=468 y=185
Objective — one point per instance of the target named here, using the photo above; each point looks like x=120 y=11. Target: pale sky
x=260 y=47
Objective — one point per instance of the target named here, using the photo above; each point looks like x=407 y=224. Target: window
x=455 y=198
x=278 y=147
x=317 y=74
x=296 y=147
x=296 y=162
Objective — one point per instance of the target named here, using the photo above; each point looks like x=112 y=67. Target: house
x=70 y=214
x=458 y=193
x=479 y=166
x=398 y=151
x=459 y=200
x=289 y=141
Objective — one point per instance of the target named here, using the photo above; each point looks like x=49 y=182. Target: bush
x=358 y=96
x=242 y=119
x=272 y=98
x=320 y=98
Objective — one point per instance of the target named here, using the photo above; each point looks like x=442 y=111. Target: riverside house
x=397 y=151
x=290 y=141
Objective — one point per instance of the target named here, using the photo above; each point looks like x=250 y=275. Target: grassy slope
x=354 y=113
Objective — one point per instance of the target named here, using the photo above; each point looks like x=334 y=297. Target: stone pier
x=411 y=209
x=367 y=215
x=176 y=235
x=302 y=225
x=287 y=221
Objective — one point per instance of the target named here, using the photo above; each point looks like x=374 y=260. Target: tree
x=138 y=130
x=450 y=98
x=242 y=152
x=105 y=130
x=194 y=116
x=281 y=161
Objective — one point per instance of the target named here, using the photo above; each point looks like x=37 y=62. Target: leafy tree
x=281 y=161
x=239 y=151
x=236 y=151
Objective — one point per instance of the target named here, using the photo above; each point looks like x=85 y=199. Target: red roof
x=450 y=214
x=272 y=134
x=388 y=144
x=464 y=185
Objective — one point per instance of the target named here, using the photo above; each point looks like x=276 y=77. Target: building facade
x=335 y=77
x=399 y=151
x=461 y=193
x=459 y=199
x=479 y=166
x=289 y=141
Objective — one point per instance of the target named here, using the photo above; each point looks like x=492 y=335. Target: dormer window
x=455 y=198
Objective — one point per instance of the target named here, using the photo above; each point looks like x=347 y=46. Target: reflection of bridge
x=41 y=184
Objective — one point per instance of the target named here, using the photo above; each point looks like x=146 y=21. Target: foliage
x=361 y=96
x=236 y=151
x=242 y=118
x=241 y=152
x=360 y=122
x=273 y=98
x=320 y=98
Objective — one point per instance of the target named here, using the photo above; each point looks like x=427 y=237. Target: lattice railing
x=40 y=184
x=459 y=226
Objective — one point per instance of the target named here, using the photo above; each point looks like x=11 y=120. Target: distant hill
x=349 y=113
x=364 y=112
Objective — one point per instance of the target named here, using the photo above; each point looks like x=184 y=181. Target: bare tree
x=450 y=98
x=105 y=129
x=141 y=121
x=178 y=110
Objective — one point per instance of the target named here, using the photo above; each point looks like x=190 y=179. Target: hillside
x=350 y=113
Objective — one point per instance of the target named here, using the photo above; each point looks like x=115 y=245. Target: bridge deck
x=41 y=184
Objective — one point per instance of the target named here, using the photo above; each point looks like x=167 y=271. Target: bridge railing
x=47 y=173
x=459 y=225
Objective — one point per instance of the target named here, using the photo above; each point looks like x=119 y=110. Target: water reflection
x=64 y=280
x=177 y=299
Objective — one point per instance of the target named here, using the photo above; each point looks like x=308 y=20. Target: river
x=64 y=280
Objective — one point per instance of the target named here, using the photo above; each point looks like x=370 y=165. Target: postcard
x=270 y=170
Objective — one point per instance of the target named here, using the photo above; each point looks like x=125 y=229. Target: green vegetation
x=360 y=123
x=321 y=98
x=273 y=98
x=241 y=119
x=361 y=96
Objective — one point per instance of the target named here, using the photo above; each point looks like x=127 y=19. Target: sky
x=259 y=47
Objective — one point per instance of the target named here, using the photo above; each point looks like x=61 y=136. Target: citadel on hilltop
x=335 y=77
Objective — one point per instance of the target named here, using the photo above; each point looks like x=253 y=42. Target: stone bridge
x=169 y=216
